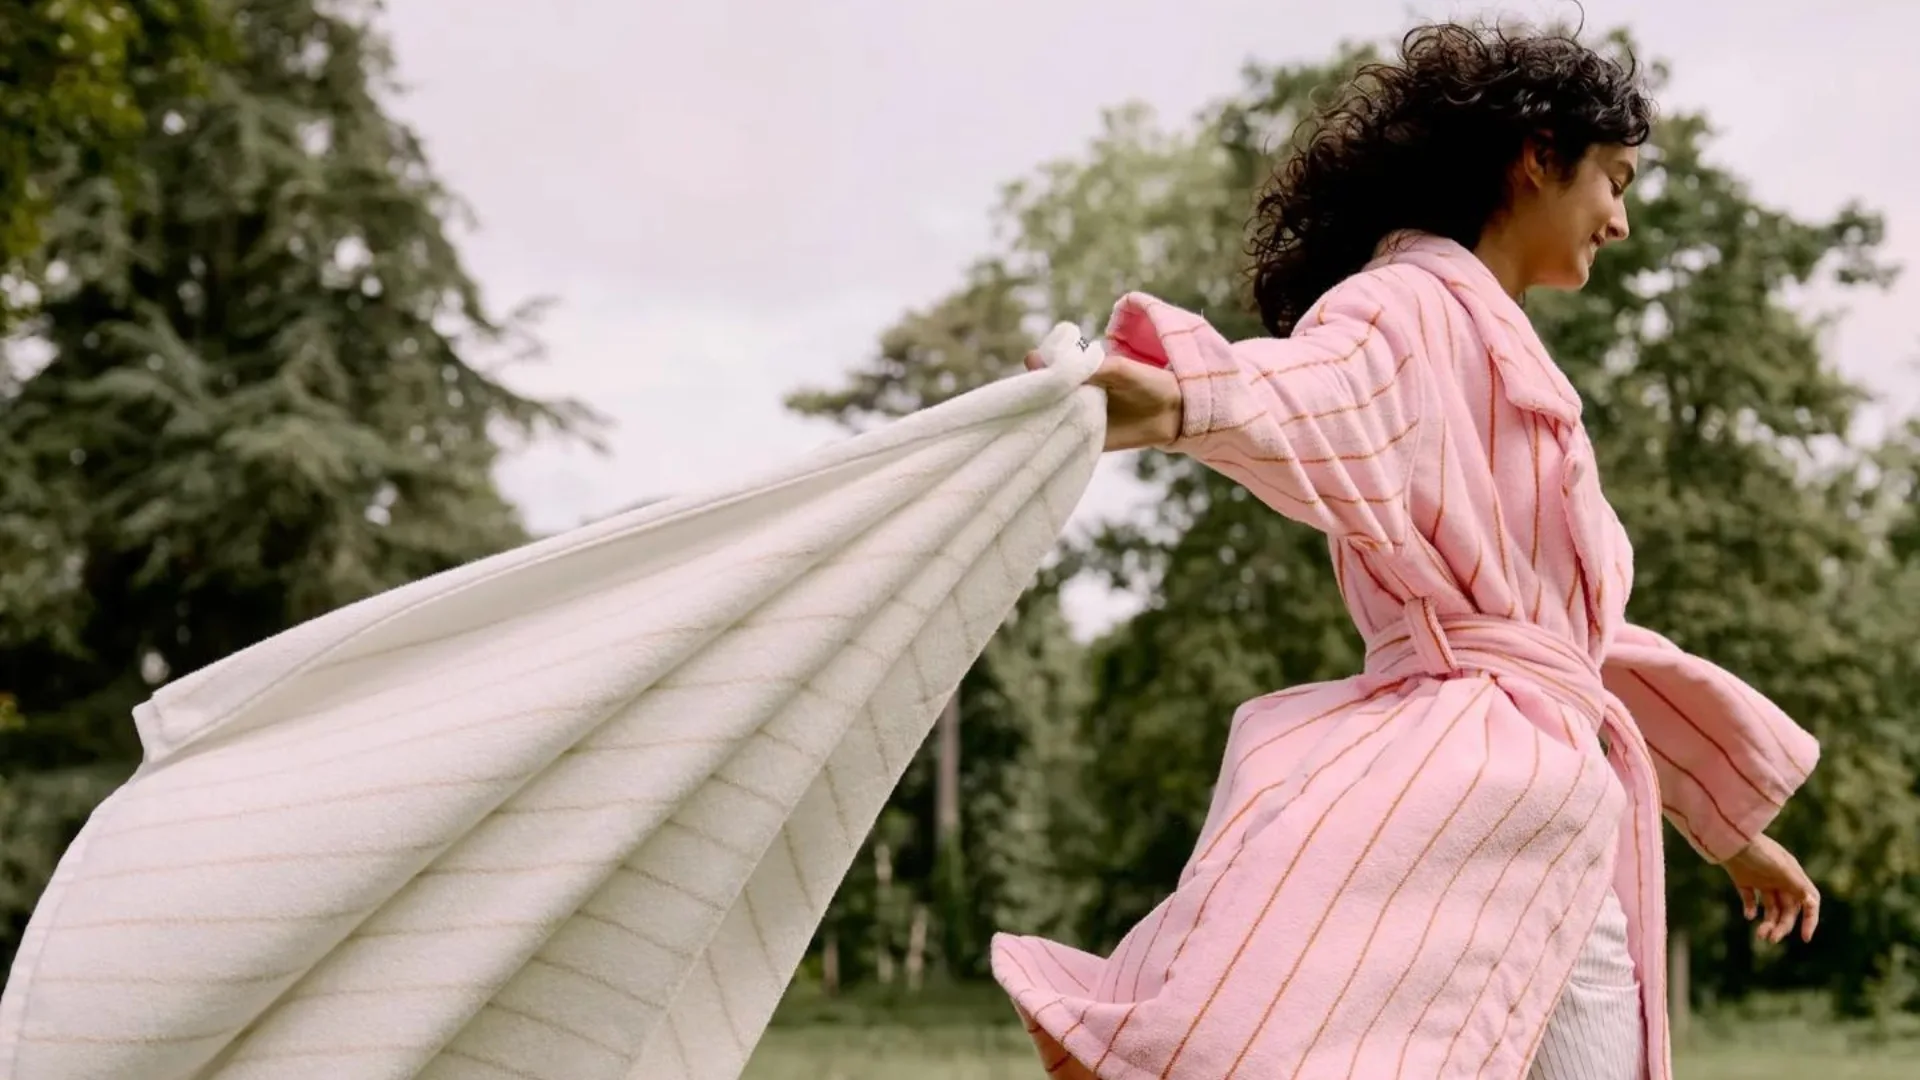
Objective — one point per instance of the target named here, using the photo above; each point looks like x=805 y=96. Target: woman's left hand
x=1770 y=878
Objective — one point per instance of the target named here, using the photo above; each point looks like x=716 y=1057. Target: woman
x=1448 y=865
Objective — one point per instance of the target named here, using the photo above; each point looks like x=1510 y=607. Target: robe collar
x=1530 y=377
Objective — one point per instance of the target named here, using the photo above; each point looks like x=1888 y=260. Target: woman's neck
x=1504 y=254
x=1501 y=257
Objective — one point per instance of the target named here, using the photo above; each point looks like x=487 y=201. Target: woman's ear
x=1535 y=169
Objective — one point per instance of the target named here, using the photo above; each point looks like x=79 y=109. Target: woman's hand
x=1770 y=878
x=1143 y=401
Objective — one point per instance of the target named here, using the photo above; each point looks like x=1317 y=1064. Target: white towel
x=568 y=813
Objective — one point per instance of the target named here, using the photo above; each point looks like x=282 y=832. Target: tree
x=266 y=388
x=1765 y=538
x=1713 y=409
x=968 y=339
x=1008 y=742
x=82 y=77
x=1242 y=600
x=1711 y=405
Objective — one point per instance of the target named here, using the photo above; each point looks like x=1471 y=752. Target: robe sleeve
x=1322 y=426
x=1727 y=758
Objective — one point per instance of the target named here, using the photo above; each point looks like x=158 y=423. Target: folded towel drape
x=571 y=812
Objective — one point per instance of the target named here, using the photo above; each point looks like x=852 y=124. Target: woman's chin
x=1570 y=278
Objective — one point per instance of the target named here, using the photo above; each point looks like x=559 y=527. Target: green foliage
x=1019 y=717
x=955 y=1033
x=247 y=380
x=81 y=79
x=1021 y=825
x=257 y=384
x=974 y=1040
x=1023 y=822
x=967 y=340
x=1721 y=431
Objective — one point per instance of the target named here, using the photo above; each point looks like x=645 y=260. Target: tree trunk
x=949 y=857
x=883 y=892
x=830 y=965
x=1679 y=986
x=917 y=949
x=946 y=784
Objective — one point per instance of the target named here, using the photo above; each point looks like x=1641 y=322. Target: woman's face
x=1564 y=220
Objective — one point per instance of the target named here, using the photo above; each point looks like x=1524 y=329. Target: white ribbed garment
x=1596 y=1031
x=572 y=812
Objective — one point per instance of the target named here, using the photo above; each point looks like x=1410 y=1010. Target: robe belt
x=1444 y=646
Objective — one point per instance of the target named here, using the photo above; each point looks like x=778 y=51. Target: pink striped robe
x=1399 y=869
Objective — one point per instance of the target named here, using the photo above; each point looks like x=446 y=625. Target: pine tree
x=259 y=385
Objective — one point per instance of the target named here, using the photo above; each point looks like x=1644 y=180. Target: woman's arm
x=1728 y=758
x=1322 y=426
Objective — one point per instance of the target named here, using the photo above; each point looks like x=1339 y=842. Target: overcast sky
x=731 y=198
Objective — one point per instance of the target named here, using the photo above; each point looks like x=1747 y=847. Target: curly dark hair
x=1426 y=143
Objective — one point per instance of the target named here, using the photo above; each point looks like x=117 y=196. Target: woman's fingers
x=1775 y=889
x=1114 y=373
x=1789 y=906
x=1776 y=916
x=1033 y=362
x=1780 y=909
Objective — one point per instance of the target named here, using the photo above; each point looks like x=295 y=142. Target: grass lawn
x=955 y=1036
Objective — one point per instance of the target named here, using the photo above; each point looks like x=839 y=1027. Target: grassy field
x=957 y=1037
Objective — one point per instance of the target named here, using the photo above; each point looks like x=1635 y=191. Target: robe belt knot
x=1427 y=642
